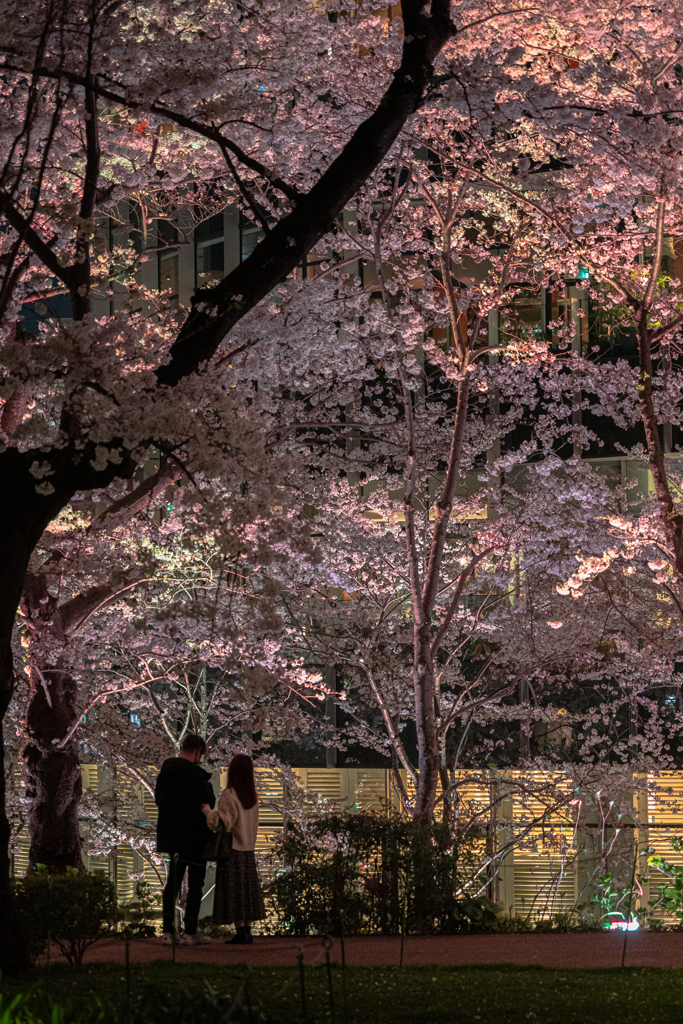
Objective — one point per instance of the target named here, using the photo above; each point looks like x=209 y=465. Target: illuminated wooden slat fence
x=545 y=871
x=542 y=878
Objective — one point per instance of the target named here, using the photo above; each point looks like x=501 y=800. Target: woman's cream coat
x=243 y=824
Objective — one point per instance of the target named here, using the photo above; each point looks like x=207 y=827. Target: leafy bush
x=669 y=898
x=30 y=912
x=214 y=931
x=615 y=901
x=138 y=916
x=567 y=921
x=478 y=914
x=513 y=924
x=372 y=873
x=74 y=908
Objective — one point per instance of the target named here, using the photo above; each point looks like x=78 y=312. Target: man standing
x=182 y=790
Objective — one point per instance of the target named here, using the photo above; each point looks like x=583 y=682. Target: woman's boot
x=239 y=938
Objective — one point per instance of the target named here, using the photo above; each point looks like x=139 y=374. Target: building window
x=209 y=250
x=168 y=277
x=523 y=319
x=250 y=236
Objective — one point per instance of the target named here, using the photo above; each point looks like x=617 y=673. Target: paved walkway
x=601 y=949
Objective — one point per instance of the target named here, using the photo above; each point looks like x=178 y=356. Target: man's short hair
x=192 y=742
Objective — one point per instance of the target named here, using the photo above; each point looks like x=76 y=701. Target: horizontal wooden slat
x=541 y=867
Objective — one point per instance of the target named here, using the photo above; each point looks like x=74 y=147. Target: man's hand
x=206 y=808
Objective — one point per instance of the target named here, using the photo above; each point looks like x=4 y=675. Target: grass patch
x=202 y=994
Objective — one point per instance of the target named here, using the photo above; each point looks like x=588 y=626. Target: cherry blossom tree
x=442 y=247
x=84 y=123
x=295 y=110
x=426 y=421
x=171 y=626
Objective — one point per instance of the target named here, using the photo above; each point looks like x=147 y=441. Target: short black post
x=175 y=894
x=341 y=935
x=247 y=995
x=327 y=946
x=49 y=938
x=300 y=962
x=128 y=967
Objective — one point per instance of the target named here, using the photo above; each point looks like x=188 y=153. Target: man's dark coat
x=182 y=787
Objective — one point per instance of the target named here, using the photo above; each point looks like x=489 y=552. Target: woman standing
x=238 y=898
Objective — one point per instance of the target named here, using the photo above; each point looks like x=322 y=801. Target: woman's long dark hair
x=241 y=780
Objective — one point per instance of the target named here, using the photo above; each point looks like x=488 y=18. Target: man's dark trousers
x=182 y=788
x=195 y=885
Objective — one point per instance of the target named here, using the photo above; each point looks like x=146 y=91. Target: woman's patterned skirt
x=238 y=895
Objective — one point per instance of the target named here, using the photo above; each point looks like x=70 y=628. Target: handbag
x=219 y=845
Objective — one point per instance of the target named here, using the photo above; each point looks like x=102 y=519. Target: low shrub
x=138 y=918
x=74 y=909
x=669 y=896
x=476 y=914
x=615 y=901
x=567 y=921
x=30 y=912
x=214 y=931
x=513 y=924
x=562 y=923
x=374 y=873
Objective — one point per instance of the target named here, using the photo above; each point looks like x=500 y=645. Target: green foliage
x=15 y=1011
x=215 y=931
x=75 y=909
x=22 y=1010
x=374 y=873
x=669 y=898
x=564 y=922
x=513 y=924
x=567 y=921
x=138 y=916
x=615 y=901
x=31 y=908
x=479 y=914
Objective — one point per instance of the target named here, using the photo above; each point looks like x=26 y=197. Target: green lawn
x=198 y=994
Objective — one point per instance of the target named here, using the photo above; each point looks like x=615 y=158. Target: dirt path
x=565 y=951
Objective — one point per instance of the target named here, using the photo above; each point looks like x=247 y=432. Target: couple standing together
x=187 y=821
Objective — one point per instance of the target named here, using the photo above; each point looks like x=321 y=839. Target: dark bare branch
x=33 y=240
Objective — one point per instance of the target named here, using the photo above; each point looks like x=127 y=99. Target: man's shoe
x=200 y=939
x=187 y=940
x=167 y=939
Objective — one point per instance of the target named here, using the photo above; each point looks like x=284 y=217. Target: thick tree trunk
x=53 y=774
x=11 y=952
x=53 y=780
x=23 y=517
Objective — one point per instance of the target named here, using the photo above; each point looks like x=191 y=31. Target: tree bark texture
x=425 y=643
x=53 y=770
x=24 y=514
x=429 y=760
